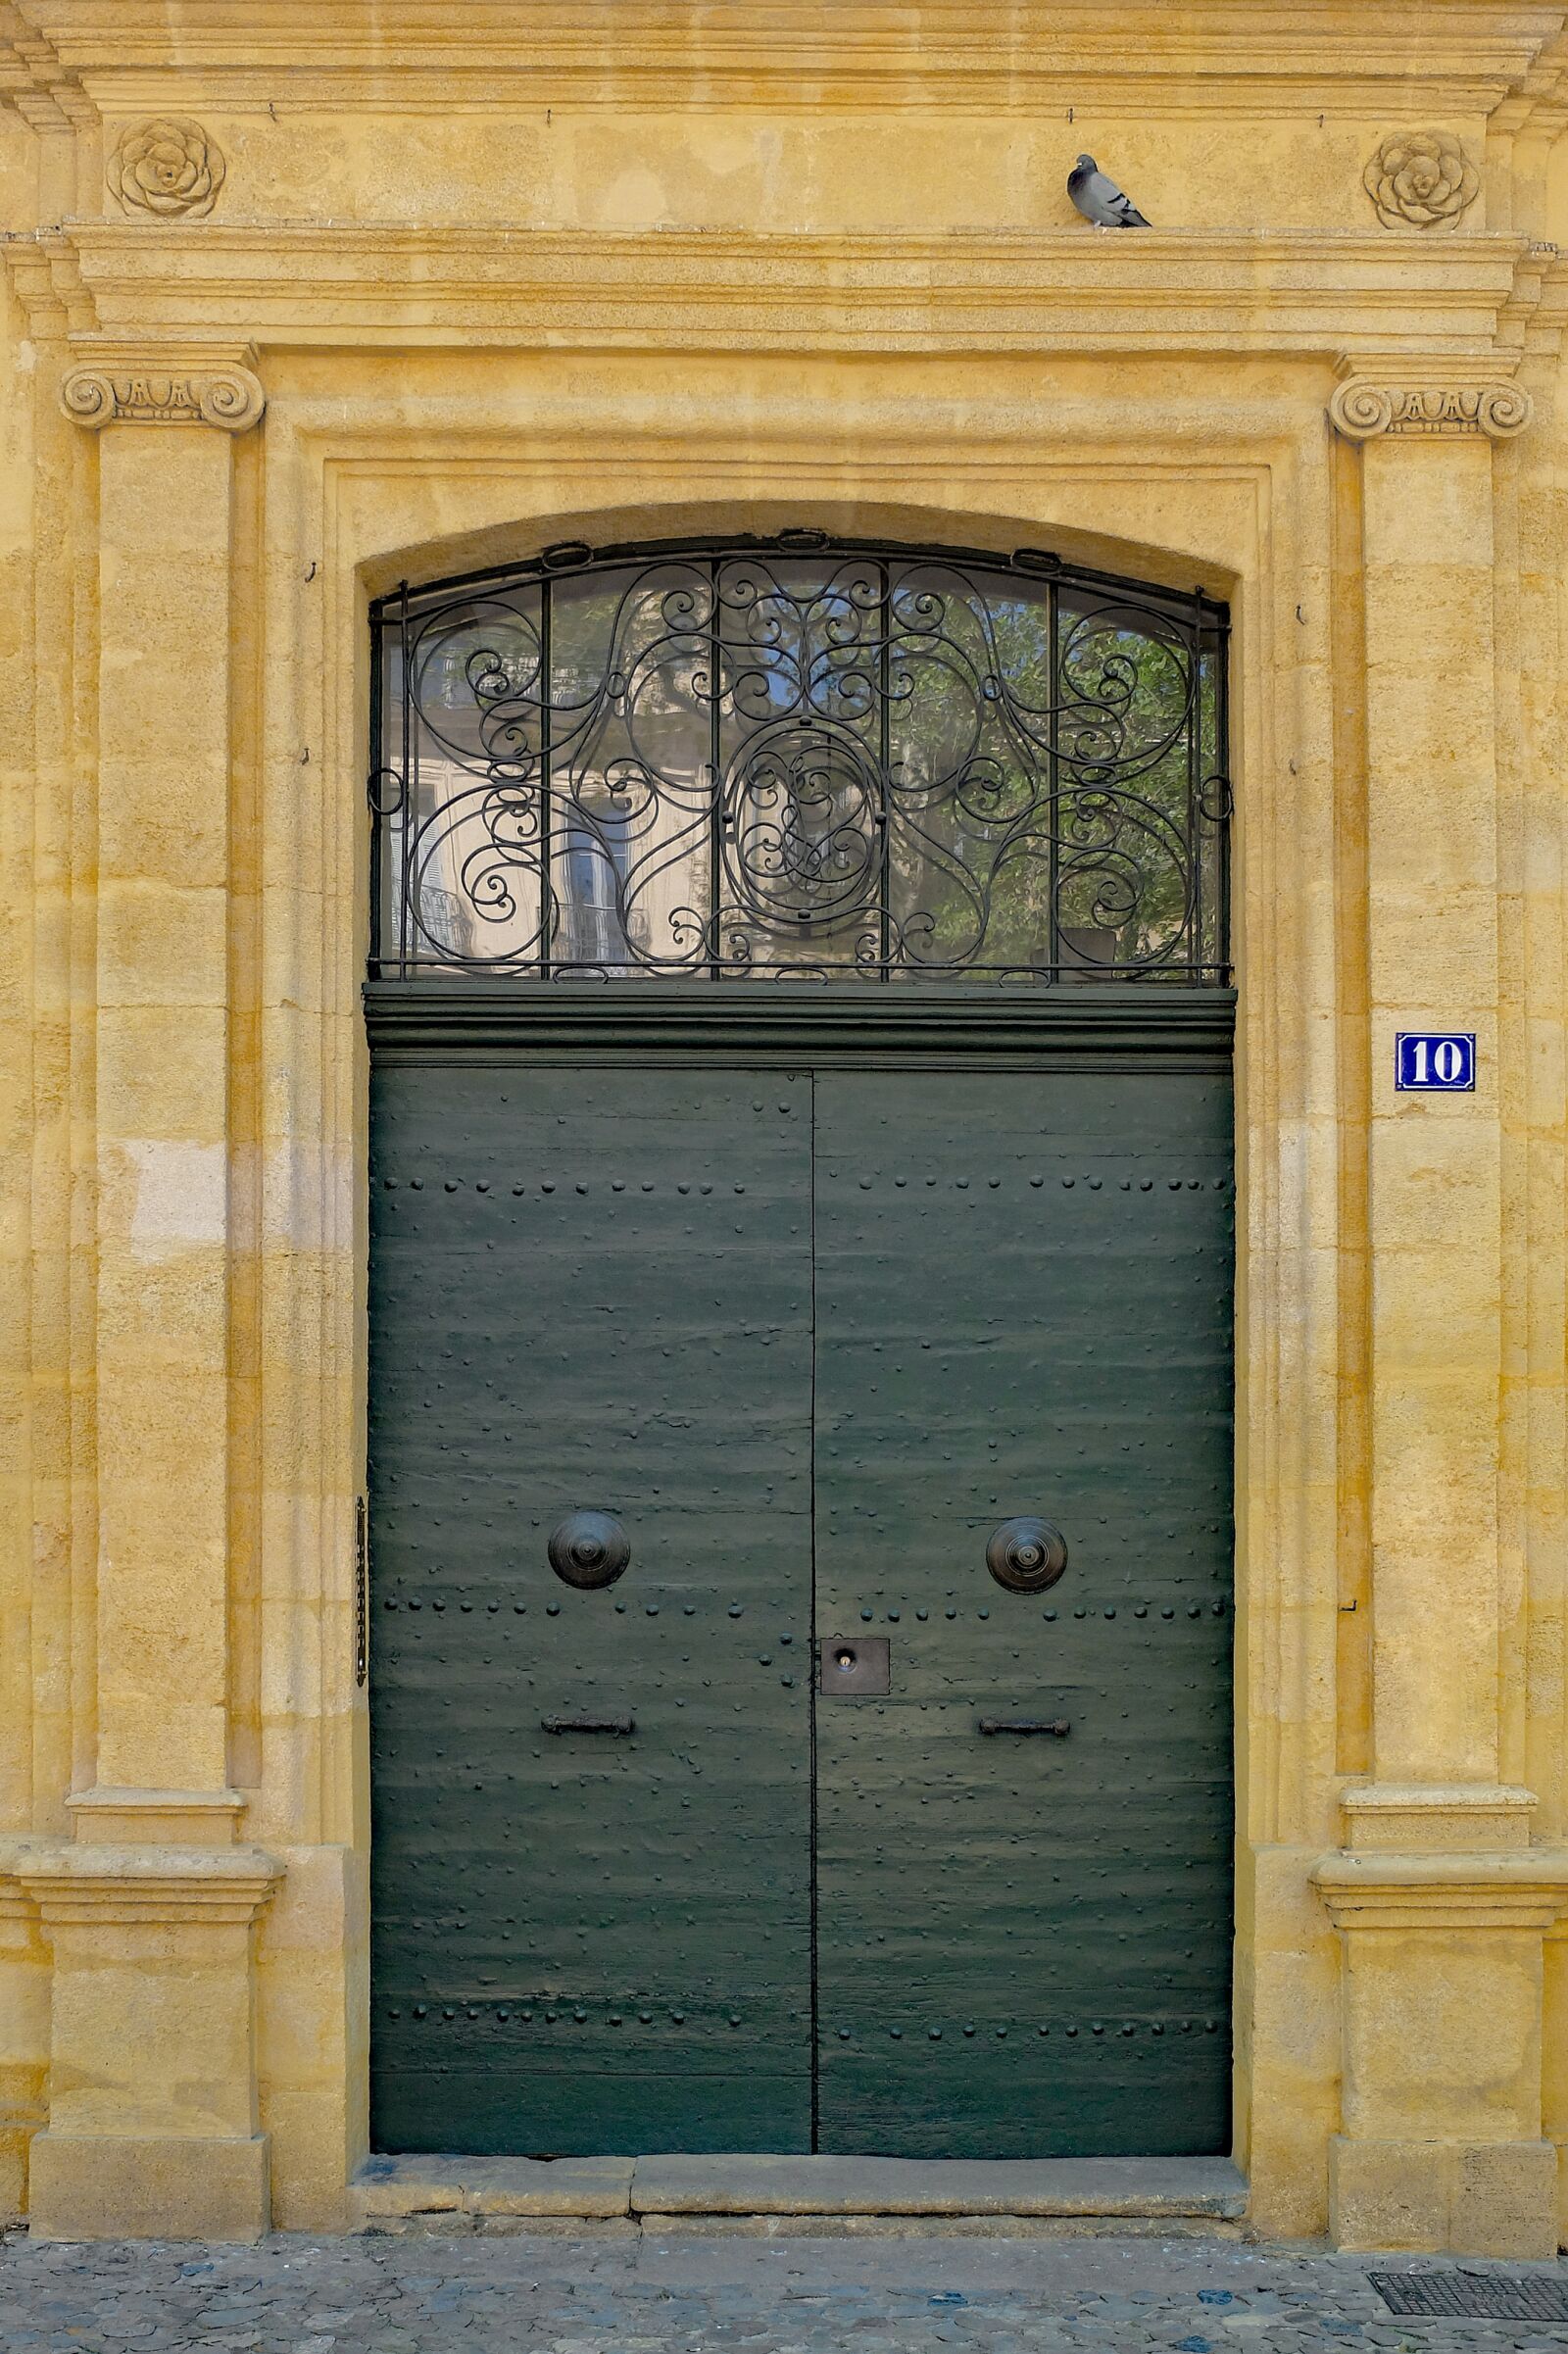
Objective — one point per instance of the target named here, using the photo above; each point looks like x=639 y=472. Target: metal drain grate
x=1475 y=2296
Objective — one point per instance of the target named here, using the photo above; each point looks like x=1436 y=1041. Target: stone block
x=1468 y=2199
x=1504 y=2201
x=148 y=2187
x=495 y=2186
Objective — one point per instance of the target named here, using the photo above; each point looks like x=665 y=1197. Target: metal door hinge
x=362 y=1595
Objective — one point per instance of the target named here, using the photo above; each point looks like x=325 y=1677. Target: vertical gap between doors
x=811 y=1678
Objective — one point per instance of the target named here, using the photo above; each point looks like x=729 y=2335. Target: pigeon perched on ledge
x=1099 y=200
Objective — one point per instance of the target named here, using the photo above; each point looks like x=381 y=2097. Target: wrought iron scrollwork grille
x=799 y=757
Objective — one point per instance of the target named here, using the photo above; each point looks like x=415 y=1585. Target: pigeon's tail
x=1132 y=219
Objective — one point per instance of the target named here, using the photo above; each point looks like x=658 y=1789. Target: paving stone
x=557 y=2292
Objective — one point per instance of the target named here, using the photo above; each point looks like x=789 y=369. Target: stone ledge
x=393 y=2191
x=95 y=1882
x=1061 y=2187
x=1436 y=1818
x=387 y=2189
x=1519 y=1888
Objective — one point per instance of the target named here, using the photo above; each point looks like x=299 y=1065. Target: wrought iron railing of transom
x=799 y=757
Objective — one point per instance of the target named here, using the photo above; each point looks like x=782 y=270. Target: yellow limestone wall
x=390 y=291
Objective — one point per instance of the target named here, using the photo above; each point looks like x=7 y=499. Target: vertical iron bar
x=1054 y=693
x=1223 y=959
x=546 y=689
x=376 y=793
x=716 y=809
x=1195 y=795
x=884 y=763
x=410 y=783
x=362 y=1595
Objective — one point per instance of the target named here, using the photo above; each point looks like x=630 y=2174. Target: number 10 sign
x=1435 y=1061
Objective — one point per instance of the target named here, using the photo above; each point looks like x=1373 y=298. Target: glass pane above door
x=801 y=759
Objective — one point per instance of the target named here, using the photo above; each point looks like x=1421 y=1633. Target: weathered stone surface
x=1088 y=2186
x=613 y=2289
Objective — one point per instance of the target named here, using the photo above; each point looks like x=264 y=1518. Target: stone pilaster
x=164 y=527
x=150 y=1912
x=1440 y=1899
x=1434 y=1165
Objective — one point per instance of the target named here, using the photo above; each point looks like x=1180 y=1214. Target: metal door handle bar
x=1057 y=1726
x=589 y=1724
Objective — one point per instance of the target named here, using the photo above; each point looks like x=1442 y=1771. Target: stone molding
x=1443 y=1818
x=1364 y=408
x=941 y=55
x=204 y=1818
x=1520 y=1889
x=229 y=397
x=126 y=286
x=80 y=1885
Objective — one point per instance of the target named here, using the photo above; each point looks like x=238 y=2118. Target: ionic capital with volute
x=1426 y=400
x=164 y=390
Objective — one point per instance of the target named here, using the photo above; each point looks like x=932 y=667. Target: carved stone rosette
x=168 y=166
x=1421 y=179
x=231 y=397
x=1362 y=409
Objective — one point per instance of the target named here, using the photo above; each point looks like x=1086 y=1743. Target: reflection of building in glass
x=866 y=762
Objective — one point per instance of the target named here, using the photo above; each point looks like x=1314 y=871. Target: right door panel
x=1024 y=1307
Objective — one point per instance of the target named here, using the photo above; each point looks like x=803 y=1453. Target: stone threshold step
x=387 y=2190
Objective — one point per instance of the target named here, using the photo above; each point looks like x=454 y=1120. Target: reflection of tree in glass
x=1038 y=754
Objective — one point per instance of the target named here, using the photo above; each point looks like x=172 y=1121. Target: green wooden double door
x=810 y=1331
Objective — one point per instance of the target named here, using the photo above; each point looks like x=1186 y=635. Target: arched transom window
x=799 y=757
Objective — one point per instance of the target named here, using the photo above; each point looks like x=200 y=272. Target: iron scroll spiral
x=801 y=759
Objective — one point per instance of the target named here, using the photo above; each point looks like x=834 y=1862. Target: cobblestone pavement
x=648 y=2292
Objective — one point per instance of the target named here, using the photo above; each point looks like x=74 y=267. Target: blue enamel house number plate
x=1435 y=1061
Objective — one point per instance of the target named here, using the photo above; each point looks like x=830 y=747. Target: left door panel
x=590 y=1290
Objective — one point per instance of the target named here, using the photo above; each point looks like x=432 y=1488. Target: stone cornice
x=159 y=391
x=33 y=79
x=496 y=56
x=395 y=285
x=1521 y=1888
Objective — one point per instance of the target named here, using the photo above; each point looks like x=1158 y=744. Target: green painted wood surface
x=1023 y=1305
x=600 y=1292
x=590 y=1292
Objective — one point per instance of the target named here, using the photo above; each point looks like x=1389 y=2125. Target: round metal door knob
x=1026 y=1555
x=589 y=1549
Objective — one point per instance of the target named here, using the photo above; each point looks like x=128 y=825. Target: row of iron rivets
x=420 y=2010
x=689 y=1610
x=1070 y=2028
x=1073 y=2028
x=1140 y=1610
x=650 y=1609
x=617 y=1184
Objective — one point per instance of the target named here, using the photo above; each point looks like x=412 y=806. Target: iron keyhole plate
x=852 y=1666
